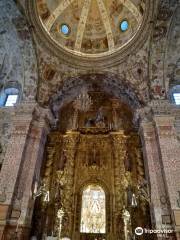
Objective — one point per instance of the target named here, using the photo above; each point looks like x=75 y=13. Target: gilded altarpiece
x=92 y=155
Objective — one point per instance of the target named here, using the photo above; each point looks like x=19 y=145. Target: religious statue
x=98 y=121
x=60 y=216
x=42 y=190
x=127 y=223
x=63 y=160
x=143 y=191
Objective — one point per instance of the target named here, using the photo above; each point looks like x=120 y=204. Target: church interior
x=89 y=120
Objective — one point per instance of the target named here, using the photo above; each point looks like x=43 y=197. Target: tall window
x=177 y=98
x=11 y=100
x=174 y=94
x=9 y=97
x=93 y=212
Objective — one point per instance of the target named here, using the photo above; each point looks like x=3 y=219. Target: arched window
x=9 y=95
x=175 y=94
x=93 y=211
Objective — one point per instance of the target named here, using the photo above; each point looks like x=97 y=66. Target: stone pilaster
x=13 y=159
x=31 y=167
x=153 y=167
x=70 y=147
x=165 y=116
x=170 y=154
x=119 y=142
x=21 y=167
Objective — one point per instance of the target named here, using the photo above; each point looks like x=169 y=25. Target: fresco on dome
x=94 y=25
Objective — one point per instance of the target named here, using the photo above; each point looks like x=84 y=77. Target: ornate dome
x=96 y=30
x=91 y=27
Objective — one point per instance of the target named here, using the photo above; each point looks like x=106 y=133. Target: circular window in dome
x=124 y=25
x=65 y=29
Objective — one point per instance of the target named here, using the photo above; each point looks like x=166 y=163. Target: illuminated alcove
x=93 y=210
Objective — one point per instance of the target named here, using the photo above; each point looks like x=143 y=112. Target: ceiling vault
x=107 y=24
x=57 y=12
x=82 y=25
x=93 y=29
x=134 y=10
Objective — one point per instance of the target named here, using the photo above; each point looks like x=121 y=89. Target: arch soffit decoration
x=113 y=87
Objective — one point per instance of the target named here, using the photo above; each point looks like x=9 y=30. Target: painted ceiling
x=92 y=27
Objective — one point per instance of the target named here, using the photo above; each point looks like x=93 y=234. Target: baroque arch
x=109 y=84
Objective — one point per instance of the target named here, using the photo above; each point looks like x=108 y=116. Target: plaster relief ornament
x=90 y=29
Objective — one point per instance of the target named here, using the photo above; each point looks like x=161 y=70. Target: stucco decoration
x=18 y=61
x=93 y=36
x=73 y=86
x=172 y=61
x=56 y=77
x=159 y=43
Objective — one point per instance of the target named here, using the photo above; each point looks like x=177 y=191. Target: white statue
x=60 y=215
x=126 y=217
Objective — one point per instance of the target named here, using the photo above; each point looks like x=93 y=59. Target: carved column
x=13 y=160
x=119 y=150
x=70 y=148
x=153 y=167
